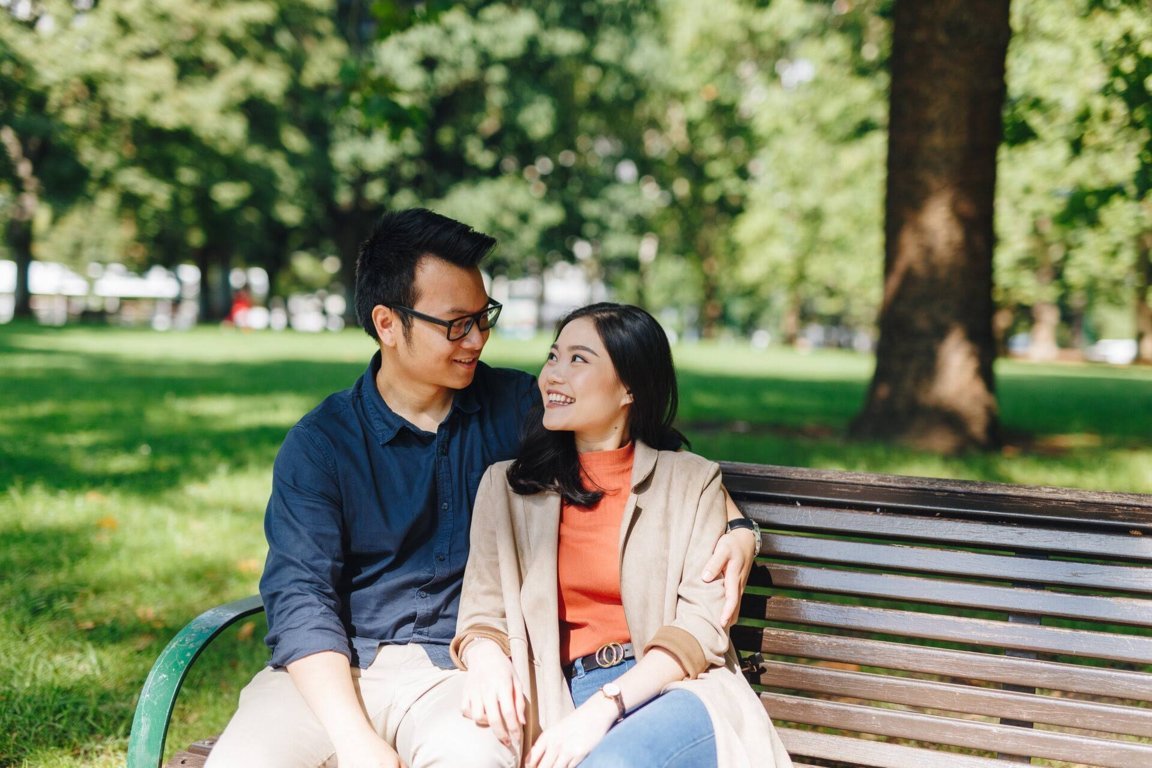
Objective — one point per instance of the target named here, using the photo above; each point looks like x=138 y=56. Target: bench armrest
x=158 y=697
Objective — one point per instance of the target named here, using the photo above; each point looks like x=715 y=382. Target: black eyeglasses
x=461 y=326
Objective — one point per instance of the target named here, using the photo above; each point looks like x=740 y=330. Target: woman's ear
x=627 y=399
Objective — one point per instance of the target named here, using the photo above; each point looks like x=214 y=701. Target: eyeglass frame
x=472 y=320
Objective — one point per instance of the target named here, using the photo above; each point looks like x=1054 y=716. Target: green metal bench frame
x=158 y=697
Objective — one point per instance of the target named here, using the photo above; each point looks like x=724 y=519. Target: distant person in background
x=588 y=636
x=238 y=314
x=368 y=521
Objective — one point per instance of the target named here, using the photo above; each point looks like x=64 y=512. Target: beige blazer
x=673 y=517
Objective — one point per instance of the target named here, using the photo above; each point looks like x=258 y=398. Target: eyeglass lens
x=461 y=327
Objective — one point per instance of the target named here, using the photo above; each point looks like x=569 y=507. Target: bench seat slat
x=958 y=593
x=976 y=565
x=877 y=754
x=968 y=699
x=1032 y=673
x=970 y=734
x=996 y=634
x=1112 y=544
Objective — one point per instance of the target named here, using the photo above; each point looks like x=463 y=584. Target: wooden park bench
x=906 y=623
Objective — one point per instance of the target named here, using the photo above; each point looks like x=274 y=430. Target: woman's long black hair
x=639 y=350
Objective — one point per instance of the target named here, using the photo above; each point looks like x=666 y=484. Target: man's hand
x=367 y=751
x=324 y=679
x=733 y=556
x=569 y=741
x=492 y=693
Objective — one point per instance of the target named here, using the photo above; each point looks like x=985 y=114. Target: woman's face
x=581 y=391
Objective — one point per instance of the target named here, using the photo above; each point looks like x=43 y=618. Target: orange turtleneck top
x=588 y=558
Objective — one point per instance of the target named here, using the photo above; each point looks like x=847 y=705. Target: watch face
x=611 y=690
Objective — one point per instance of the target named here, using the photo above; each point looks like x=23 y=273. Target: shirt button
x=440 y=558
x=444 y=505
x=421 y=593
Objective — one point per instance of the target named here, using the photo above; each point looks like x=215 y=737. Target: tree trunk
x=711 y=309
x=352 y=225
x=19 y=239
x=933 y=387
x=1045 y=323
x=19 y=230
x=1143 y=307
x=1043 y=345
x=214 y=264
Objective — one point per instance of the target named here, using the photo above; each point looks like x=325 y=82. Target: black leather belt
x=605 y=656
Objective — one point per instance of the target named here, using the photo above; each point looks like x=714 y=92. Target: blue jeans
x=672 y=730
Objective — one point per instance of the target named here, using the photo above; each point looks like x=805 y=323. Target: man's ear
x=387 y=325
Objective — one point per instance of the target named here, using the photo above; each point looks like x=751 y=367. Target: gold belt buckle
x=610 y=655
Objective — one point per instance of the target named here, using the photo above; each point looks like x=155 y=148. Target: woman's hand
x=569 y=741
x=492 y=693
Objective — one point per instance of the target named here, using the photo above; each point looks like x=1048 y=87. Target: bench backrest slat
x=1119 y=545
x=957 y=732
x=984 y=667
x=964 y=699
x=1094 y=510
x=929 y=626
x=961 y=594
x=964 y=563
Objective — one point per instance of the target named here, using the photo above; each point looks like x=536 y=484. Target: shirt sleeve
x=303 y=525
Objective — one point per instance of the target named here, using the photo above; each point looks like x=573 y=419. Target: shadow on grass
x=71 y=677
x=82 y=422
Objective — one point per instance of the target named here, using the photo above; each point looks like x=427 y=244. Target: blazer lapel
x=643 y=465
x=538 y=595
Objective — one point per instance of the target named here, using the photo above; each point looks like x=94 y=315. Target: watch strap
x=751 y=525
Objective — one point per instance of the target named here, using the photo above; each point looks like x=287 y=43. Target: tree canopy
x=721 y=162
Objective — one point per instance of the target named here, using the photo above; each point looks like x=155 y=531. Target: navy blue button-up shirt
x=368 y=520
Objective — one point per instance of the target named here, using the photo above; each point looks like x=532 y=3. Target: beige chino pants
x=411 y=702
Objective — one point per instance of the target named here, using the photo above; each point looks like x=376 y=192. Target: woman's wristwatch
x=743 y=522
x=612 y=692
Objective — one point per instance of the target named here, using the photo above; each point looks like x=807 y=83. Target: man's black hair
x=386 y=266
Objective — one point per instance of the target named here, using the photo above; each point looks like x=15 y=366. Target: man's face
x=447 y=292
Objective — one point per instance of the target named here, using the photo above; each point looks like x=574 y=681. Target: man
x=368 y=520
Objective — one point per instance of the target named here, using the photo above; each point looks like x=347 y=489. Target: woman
x=584 y=625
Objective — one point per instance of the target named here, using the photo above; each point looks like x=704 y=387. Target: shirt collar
x=385 y=422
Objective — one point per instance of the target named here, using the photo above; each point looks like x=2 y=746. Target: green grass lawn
x=135 y=467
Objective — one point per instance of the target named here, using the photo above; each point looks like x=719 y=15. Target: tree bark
x=933 y=386
x=19 y=229
x=1143 y=291
x=352 y=226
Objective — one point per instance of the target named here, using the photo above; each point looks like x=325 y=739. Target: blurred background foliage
x=721 y=162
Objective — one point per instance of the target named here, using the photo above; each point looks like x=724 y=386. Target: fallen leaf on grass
x=246 y=630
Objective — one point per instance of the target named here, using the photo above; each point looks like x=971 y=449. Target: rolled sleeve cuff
x=288 y=650
x=460 y=643
x=683 y=647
